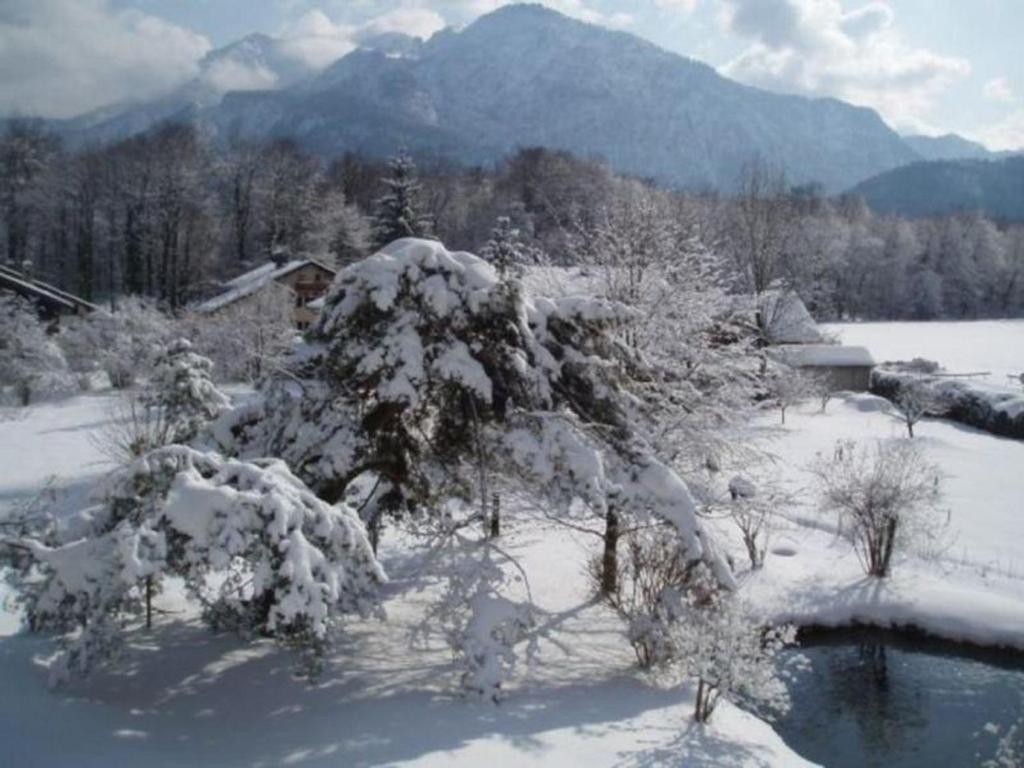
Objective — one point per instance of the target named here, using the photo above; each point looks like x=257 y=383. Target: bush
x=886 y=495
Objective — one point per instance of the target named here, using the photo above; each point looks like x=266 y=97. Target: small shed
x=845 y=368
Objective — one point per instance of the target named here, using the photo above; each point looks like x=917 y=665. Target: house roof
x=787 y=320
x=824 y=356
x=38 y=290
x=249 y=282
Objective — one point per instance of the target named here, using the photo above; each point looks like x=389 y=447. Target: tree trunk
x=610 y=557
x=149 y=602
x=887 y=548
x=495 y=516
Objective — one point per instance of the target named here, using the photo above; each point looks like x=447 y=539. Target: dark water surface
x=879 y=698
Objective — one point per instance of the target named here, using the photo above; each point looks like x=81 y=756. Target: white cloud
x=63 y=57
x=418 y=22
x=231 y=75
x=999 y=89
x=687 y=6
x=814 y=47
x=316 y=40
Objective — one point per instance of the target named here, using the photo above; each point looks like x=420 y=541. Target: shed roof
x=50 y=295
x=824 y=356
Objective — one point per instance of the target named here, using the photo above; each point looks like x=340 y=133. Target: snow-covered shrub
x=887 y=497
x=728 y=653
x=993 y=409
x=122 y=344
x=653 y=571
x=752 y=508
x=31 y=364
x=182 y=391
x=260 y=552
x=788 y=386
x=134 y=428
x=481 y=620
x=248 y=338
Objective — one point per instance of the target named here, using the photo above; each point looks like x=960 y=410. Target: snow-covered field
x=994 y=346
x=183 y=696
x=971 y=589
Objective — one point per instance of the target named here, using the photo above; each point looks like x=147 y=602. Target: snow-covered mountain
x=525 y=75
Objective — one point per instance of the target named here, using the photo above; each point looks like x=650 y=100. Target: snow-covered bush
x=752 y=509
x=978 y=404
x=31 y=364
x=122 y=344
x=260 y=552
x=248 y=338
x=653 y=571
x=728 y=653
x=887 y=497
x=788 y=386
x=182 y=391
x=480 y=617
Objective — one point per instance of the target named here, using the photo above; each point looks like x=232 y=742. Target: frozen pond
x=877 y=698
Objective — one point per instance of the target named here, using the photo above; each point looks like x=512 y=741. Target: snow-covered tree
x=433 y=374
x=248 y=338
x=31 y=364
x=398 y=212
x=913 y=401
x=183 y=392
x=259 y=551
x=727 y=652
x=506 y=251
x=788 y=386
x=887 y=497
x=122 y=344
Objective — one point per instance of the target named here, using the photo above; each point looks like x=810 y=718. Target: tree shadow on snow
x=185 y=695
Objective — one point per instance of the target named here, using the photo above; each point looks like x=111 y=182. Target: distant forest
x=167 y=215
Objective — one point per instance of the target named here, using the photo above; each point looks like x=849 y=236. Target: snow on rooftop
x=824 y=356
x=249 y=282
x=787 y=319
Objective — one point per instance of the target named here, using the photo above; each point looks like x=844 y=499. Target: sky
x=928 y=66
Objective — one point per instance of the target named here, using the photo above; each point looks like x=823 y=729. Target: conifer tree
x=397 y=213
x=184 y=392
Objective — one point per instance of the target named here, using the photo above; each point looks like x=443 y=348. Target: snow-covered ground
x=994 y=346
x=971 y=589
x=183 y=696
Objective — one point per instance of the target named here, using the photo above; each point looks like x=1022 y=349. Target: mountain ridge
x=526 y=75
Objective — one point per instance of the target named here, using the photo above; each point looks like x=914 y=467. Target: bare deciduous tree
x=886 y=494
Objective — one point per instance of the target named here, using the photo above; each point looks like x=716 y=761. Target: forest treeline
x=168 y=214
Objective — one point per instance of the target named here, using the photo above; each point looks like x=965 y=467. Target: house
x=50 y=301
x=305 y=280
x=798 y=342
x=844 y=368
